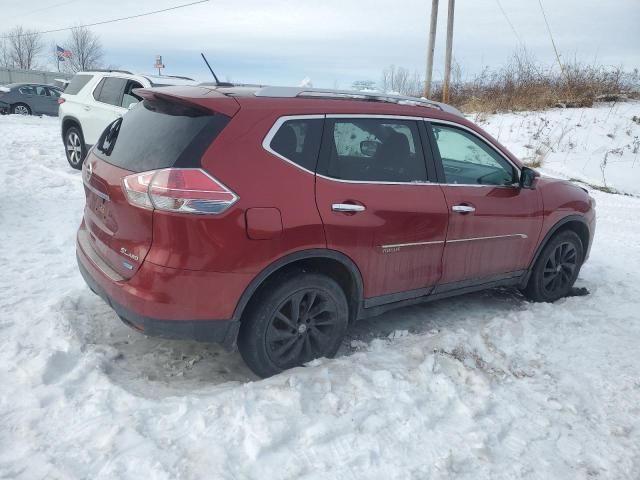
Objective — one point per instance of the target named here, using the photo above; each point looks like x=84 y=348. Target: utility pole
x=447 y=60
x=431 y=47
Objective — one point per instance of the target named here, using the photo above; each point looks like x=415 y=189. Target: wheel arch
x=332 y=263
x=69 y=121
x=575 y=223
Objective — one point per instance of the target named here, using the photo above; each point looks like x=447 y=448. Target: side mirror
x=528 y=178
x=368 y=148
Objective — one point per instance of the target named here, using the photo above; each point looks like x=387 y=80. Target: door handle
x=87 y=108
x=463 y=209
x=347 y=207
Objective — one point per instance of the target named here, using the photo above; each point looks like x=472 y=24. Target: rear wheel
x=299 y=319
x=557 y=268
x=21 y=109
x=75 y=148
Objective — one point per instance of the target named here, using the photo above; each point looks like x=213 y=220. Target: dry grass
x=522 y=84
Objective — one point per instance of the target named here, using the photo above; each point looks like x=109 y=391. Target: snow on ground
x=598 y=145
x=478 y=387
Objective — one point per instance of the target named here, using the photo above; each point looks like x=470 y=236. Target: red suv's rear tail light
x=182 y=190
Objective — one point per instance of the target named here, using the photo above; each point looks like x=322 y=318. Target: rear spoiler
x=203 y=99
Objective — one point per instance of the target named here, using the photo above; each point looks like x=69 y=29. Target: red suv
x=273 y=217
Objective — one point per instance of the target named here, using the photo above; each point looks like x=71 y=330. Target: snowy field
x=484 y=386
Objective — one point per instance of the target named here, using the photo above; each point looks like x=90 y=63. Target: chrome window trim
x=266 y=142
x=373 y=115
x=483 y=139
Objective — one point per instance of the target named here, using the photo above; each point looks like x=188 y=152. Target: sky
x=336 y=42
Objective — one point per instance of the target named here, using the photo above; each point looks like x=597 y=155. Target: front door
x=378 y=207
x=493 y=223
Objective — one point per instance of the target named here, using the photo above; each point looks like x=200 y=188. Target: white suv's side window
x=110 y=90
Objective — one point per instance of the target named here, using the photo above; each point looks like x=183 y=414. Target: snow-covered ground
x=478 y=387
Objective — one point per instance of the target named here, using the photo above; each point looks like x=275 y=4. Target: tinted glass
x=42 y=91
x=299 y=141
x=384 y=150
x=77 y=83
x=27 y=90
x=111 y=91
x=466 y=159
x=129 y=97
x=160 y=134
x=54 y=92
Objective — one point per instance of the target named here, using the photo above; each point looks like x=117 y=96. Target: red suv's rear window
x=160 y=134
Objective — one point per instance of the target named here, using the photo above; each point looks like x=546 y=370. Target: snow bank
x=483 y=386
x=599 y=145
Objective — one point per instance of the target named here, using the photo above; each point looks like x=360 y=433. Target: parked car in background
x=29 y=99
x=92 y=100
x=278 y=216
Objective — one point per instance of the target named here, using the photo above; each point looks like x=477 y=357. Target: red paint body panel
x=395 y=214
x=500 y=211
x=263 y=223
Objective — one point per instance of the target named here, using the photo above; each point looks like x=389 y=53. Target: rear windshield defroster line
x=160 y=134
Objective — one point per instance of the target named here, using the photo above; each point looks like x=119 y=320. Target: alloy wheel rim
x=21 y=110
x=74 y=149
x=302 y=328
x=560 y=268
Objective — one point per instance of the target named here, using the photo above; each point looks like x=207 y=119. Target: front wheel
x=556 y=269
x=292 y=322
x=75 y=148
x=20 y=109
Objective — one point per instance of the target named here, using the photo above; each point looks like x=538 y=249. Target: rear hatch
x=162 y=132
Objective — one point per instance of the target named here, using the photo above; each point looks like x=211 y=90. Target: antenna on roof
x=210 y=69
x=218 y=82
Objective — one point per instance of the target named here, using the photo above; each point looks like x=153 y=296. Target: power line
x=40 y=10
x=555 y=49
x=509 y=22
x=108 y=21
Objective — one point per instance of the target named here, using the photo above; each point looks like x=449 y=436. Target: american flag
x=62 y=53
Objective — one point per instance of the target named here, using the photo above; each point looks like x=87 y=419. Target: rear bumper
x=133 y=304
x=4 y=108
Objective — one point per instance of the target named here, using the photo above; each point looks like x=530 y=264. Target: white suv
x=93 y=100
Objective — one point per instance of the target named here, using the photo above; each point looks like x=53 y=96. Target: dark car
x=277 y=216
x=29 y=99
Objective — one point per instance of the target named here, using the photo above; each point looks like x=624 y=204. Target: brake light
x=61 y=101
x=181 y=190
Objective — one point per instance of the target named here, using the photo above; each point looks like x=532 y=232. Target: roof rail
x=109 y=70
x=291 y=92
x=179 y=77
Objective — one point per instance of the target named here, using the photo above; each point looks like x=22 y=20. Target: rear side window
x=160 y=134
x=299 y=141
x=77 y=83
x=373 y=149
x=110 y=90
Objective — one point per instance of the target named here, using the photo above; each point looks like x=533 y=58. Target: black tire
x=273 y=337
x=556 y=269
x=20 y=109
x=74 y=147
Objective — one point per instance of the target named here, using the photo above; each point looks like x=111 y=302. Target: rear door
x=104 y=105
x=378 y=206
x=154 y=135
x=494 y=224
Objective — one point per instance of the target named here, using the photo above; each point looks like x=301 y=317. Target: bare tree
x=86 y=50
x=23 y=46
x=363 y=85
x=400 y=80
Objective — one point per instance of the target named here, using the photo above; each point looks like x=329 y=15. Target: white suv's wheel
x=74 y=147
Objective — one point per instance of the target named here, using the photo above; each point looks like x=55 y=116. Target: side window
x=77 y=83
x=129 y=97
x=468 y=160
x=299 y=141
x=54 y=92
x=27 y=90
x=112 y=90
x=42 y=91
x=374 y=149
